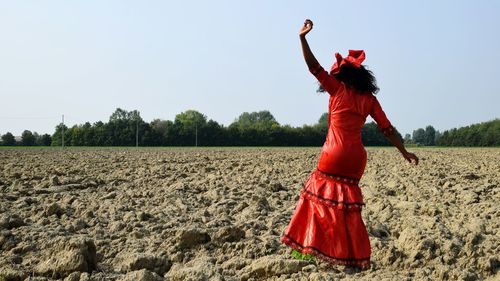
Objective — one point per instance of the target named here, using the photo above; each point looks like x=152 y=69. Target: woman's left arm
x=393 y=137
x=389 y=131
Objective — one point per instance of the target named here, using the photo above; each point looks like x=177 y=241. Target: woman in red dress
x=327 y=221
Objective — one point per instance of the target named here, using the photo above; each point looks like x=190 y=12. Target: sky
x=436 y=62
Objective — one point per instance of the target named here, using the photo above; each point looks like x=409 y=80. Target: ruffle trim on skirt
x=333 y=191
x=331 y=203
x=363 y=263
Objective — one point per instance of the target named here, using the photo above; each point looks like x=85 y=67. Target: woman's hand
x=393 y=137
x=308 y=25
x=410 y=156
x=311 y=61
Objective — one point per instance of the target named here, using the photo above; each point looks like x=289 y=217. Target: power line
x=26 y=117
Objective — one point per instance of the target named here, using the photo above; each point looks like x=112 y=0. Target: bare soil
x=218 y=214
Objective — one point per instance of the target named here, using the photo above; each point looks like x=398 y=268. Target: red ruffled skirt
x=327 y=221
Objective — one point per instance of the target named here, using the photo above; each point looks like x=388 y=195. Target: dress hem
x=362 y=263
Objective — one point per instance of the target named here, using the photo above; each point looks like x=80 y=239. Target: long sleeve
x=379 y=116
x=330 y=83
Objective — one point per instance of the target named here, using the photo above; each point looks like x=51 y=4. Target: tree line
x=481 y=134
x=190 y=128
x=27 y=139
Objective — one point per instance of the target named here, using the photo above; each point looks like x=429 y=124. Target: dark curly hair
x=361 y=79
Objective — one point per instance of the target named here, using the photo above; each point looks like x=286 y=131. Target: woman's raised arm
x=311 y=61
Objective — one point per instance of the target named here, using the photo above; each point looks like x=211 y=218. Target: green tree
x=163 y=132
x=257 y=120
x=233 y=136
x=419 y=136
x=187 y=125
x=430 y=135
x=190 y=118
x=436 y=137
x=491 y=134
x=77 y=136
x=372 y=136
x=310 y=136
x=407 y=138
x=256 y=128
x=159 y=126
x=122 y=127
x=8 y=139
x=213 y=134
x=124 y=115
x=57 y=136
x=444 y=139
x=100 y=135
x=44 y=140
x=27 y=138
x=36 y=136
x=323 y=123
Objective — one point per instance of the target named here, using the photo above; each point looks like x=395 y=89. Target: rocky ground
x=217 y=214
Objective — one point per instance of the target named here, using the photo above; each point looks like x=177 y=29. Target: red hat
x=354 y=59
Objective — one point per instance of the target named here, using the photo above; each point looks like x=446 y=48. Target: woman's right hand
x=410 y=156
x=308 y=25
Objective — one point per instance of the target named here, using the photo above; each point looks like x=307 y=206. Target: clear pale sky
x=436 y=61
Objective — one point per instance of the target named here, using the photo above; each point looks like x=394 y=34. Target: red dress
x=327 y=221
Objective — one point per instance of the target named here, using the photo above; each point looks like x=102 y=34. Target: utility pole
x=137 y=132
x=196 y=134
x=63 y=131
